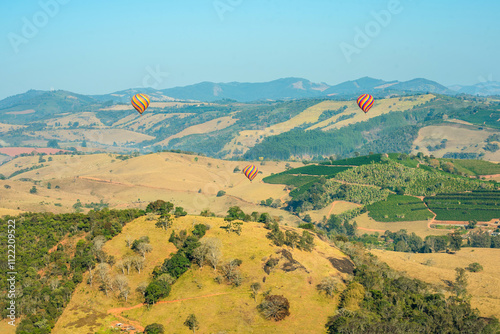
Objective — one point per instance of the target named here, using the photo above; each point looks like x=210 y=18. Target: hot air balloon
x=365 y=102
x=250 y=171
x=140 y=102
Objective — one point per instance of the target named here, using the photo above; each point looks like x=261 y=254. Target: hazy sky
x=94 y=47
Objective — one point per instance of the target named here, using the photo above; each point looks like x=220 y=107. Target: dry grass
x=368 y=225
x=83 y=119
x=484 y=286
x=334 y=208
x=5 y=328
x=381 y=107
x=234 y=309
x=120 y=107
x=133 y=121
x=248 y=138
x=210 y=126
x=137 y=181
x=103 y=136
x=459 y=138
x=7 y=127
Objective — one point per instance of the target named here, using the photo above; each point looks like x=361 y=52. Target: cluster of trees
x=290 y=238
x=46 y=280
x=337 y=224
x=401 y=241
x=379 y=300
x=271 y=202
x=190 y=250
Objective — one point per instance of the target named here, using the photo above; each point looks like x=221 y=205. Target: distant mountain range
x=281 y=89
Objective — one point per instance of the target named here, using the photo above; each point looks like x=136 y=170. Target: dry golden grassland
x=83 y=119
x=381 y=107
x=210 y=126
x=484 y=286
x=138 y=181
x=218 y=307
x=459 y=138
x=103 y=136
x=148 y=121
x=334 y=208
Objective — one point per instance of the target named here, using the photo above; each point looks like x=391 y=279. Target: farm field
x=476 y=167
x=421 y=228
x=476 y=205
x=483 y=286
x=399 y=208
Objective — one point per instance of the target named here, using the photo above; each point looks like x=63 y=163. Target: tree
x=455 y=241
x=234 y=213
x=159 y=207
x=480 y=239
x=121 y=283
x=155 y=291
x=274 y=307
x=177 y=265
x=460 y=284
x=53 y=143
x=328 y=285
x=200 y=230
x=84 y=143
x=214 y=253
x=179 y=212
x=144 y=248
x=33 y=190
x=192 y=323
x=154 y=329
x=474 y=267
x=292 y=238
x=221 y=193
x=255 y=287
x=141 y=288
x=103 y=272
x=306 y=241
x=165 y=221
x=472 y=224
x=137 y=262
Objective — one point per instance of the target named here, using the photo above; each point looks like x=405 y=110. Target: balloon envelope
x=250 y=172
x=365 y=102
x=140 y=102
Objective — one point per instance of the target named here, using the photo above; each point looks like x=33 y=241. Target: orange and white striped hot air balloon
x=140 y=102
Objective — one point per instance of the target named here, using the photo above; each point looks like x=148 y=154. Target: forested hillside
x=296 y=129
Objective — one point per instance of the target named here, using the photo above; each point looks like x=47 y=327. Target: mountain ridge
x=288 y=88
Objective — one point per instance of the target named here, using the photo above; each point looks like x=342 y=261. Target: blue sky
x=94 y=47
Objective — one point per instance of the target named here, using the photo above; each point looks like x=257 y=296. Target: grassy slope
x=235 y=310
x=460 y=138
x=483 y=286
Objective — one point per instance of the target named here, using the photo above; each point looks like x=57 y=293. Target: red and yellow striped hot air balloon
x=140 y=102
x=250 y=172
x=365 y=102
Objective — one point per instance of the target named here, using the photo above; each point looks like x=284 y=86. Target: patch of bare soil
x=343 y=265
